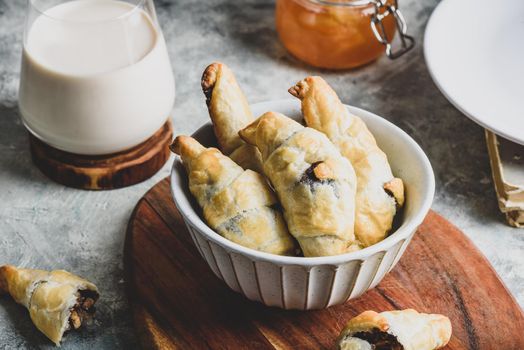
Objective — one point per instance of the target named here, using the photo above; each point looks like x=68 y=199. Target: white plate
x=474 y=51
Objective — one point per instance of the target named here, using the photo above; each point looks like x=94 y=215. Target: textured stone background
x=45 y=225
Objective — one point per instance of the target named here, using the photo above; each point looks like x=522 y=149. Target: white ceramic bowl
x=313 y=283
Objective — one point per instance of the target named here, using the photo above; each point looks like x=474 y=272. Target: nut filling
x=379 y=340
x=311 y=177
x=84 y=308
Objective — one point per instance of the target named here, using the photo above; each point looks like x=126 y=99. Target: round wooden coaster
x=178 y=303
x=105 y=172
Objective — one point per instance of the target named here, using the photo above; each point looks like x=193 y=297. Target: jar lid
x=383 y=8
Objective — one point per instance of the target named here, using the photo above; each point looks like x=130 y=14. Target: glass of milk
x=96 y=76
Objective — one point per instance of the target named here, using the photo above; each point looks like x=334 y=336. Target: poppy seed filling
x=379 y=340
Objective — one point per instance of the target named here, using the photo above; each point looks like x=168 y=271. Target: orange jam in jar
x=335 y=34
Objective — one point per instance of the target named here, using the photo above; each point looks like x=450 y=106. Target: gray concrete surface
x=46 y=225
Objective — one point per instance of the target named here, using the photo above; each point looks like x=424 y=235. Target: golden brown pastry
x=315 y=184
x=395 y=330
x=229 y=112
x=57 y=300
x=237 y=203
x=379 y=193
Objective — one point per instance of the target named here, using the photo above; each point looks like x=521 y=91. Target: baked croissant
x=395 y=330
x=379 y=193
x=237 y=203
x=57 y=300
x=315 y=184
x=229 y=112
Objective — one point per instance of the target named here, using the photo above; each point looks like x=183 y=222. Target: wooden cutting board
x=178 y=303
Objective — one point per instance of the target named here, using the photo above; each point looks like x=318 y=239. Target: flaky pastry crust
x=379 y=193
x=229 y=112
x=403 y=329
x=238 y=204
x=315 y=184
x=50 y=297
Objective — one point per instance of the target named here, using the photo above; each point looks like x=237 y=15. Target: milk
x=91 y=84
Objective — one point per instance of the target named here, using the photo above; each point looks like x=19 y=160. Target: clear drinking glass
x=96 y=76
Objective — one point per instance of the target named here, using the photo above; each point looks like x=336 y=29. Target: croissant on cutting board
x=57 y=301
x=237 y=203
x=379 y=193
x=395 y=330
x=229 y=112
x=315 y=184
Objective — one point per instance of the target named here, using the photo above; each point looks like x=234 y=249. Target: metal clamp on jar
x=341 y=34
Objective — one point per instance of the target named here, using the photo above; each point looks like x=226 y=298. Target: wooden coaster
x=178 y=303
x=105 y=172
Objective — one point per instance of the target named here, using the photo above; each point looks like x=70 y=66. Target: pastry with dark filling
x=379 y=193
x=395 y=330
x=57 y=301
x=315 y=184
x=238 y=204
x=229 y=112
